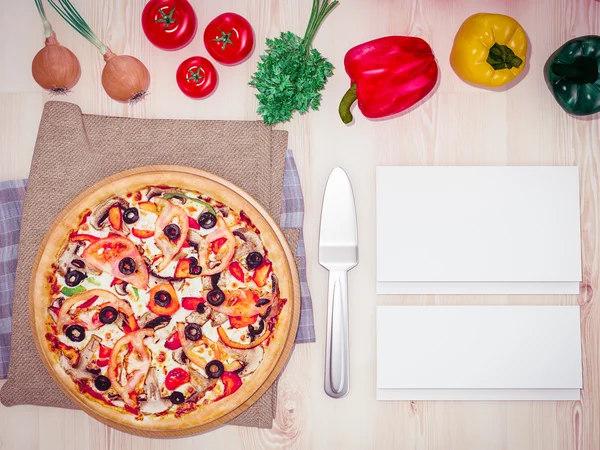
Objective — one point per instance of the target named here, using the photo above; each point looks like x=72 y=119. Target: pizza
x=160 y=303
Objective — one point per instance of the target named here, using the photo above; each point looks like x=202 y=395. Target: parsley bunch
x=291 y=75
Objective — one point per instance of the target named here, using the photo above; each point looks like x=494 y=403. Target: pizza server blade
x=338 y=253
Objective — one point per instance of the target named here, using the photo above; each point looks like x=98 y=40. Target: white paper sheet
x=478 y=230
x=478 y=353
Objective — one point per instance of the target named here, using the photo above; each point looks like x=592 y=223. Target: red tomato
x=176 y=378
x=169 y=24
x=229 y=38
x=241 y=303
x=107 y=253
x=172 y=302
x=197 y=77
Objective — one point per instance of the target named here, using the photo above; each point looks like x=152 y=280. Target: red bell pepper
x=261 y=273
x=231 y=382
x=236 y=270
x=191 y=303
x=173 y=342
x=74 y=237
x=115 y=217
x=142 y=234
x=388 y=75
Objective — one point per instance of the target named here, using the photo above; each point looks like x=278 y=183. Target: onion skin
x=55 y=68
x=124 y=78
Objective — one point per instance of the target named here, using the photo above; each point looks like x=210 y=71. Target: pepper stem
x=502 y=57
x=583 y=70
x=347 y=100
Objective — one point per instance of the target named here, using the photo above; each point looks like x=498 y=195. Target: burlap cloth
x=73 y=151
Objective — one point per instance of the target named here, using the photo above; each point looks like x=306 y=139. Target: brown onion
x=124 y=78
x=55 y=68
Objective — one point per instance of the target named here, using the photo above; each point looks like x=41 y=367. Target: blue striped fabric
x=11 y=201
x=292 y=216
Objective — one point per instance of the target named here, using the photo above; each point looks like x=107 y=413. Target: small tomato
x=197 y=77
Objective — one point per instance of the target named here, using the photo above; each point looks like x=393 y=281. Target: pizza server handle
x=337 y=368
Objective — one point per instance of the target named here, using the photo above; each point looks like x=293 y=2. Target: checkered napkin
x=11 y=201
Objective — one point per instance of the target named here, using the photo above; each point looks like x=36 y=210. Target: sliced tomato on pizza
x=171 y=230
x=93 y=299
x=184 y=332
x=242 y=303
x=120 y=257
x=222 y=243
x=241 y=322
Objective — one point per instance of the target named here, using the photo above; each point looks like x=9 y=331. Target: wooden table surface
x=458 y=124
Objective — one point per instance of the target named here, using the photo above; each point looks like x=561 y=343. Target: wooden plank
x=459 y=124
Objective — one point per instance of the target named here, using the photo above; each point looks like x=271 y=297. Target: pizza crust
x=280 y=255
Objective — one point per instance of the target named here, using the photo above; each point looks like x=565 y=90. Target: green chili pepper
x=571 y=74
x=183 y=196
x=70 y=291
x=136 y=293
x=92 y=281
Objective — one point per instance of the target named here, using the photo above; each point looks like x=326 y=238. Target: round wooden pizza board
x=209 y=416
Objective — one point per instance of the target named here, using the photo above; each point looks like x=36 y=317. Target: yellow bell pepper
x=489 y=50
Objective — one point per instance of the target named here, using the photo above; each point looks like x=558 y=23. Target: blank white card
x=478 y=230
x=478 y=353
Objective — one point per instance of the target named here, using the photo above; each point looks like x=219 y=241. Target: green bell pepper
x=571 y=74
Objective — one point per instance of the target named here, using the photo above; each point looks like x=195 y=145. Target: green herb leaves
x=288 y=79
x=291 y=75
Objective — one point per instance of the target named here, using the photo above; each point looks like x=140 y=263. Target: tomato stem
x=224 y=39
x=167 y=19
x=195 y=76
